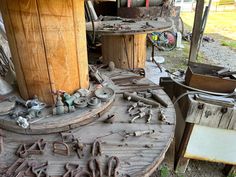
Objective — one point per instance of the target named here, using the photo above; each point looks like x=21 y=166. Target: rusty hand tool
x=113 y=165
x=96 y=148
x=156 y=97
x=36 y=148
x=95 y=168
x=61 y=148
x=40 y=170
x=71 y=169
x=135 y=97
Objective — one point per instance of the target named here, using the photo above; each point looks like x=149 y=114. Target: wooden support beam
x=181 y=163
x=197 y=28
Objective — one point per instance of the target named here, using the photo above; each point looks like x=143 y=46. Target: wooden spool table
x=124 y=42
x=139 y=156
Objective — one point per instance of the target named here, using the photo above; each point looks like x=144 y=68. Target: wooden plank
x=126 y=51
x=14 y=50
x=212 y=144
x=59 y=39
x=80 y=33
x=181 y=161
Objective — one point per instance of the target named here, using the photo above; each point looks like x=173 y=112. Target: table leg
x=181 y=162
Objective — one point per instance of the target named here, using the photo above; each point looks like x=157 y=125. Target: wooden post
x=126 y=51
x=47 y=40
x=195 y=41
x=182 y=162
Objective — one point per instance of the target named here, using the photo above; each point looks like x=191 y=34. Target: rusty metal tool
x=78 y=147
x=150 y=114
x=19 y=165
x=96 y=148
x=110 y=119
x=140 y=133
x=36 y=148
x=139 y=116
x=156 y=97
x=95 y=168
x=134 y=97
x=133 y=106
x=61 y=148
x=140 y=110
x=67 y=137
x=40 y=170
x=71 y=169
x=113 y=165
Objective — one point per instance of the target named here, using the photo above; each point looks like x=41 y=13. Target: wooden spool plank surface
x=139 y=156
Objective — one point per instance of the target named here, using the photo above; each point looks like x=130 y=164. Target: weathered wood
x=139 y=156
x=48 y=45
x=210 y=115
x=181 y=163
x=126 y=51
x=197 y=27
x=119 y=27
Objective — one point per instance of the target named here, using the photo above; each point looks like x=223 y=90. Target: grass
x=231 y=44
x=220 y=25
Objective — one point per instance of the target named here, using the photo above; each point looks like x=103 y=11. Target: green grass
x=231 y=44
x=220 y=26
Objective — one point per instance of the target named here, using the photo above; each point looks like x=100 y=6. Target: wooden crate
x=203 y=76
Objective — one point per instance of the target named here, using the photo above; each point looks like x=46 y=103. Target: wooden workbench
x=139 y=156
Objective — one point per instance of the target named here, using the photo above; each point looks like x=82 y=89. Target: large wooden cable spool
x=126 y=51
x=47 y=39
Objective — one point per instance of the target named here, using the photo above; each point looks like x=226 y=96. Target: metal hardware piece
x=40 y=170
x=135 y=97
x=133 y=106
x=36 y=148
x=96 y=148
x=113 y=165
x=139 y=116
x=110 y=119
x=95 y=168
x=94 y=102
x=16 y=167
x=162 y=116
x=22 y=122
x=81 y=102
x=78 y=147
x=150 y=114
x=59 y=107
x=61 y=148
x=71 y=169
x=104 y=93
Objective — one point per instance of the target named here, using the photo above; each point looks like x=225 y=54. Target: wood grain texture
x=50 y=44
x=126 y=51
x=139 y=156
x=211 y=115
